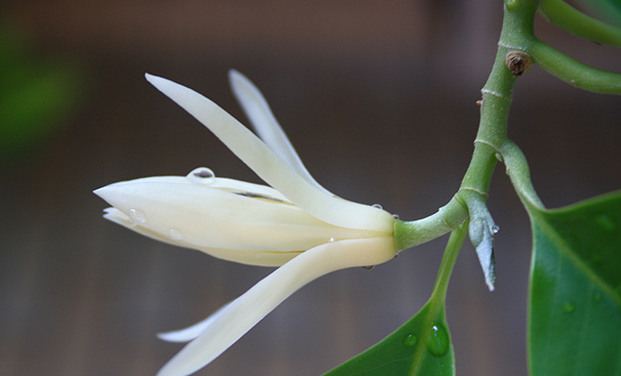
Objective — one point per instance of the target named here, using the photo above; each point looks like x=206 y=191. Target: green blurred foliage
x=37 y=94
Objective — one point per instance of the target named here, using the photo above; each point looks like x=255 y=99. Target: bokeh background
x=379 y=99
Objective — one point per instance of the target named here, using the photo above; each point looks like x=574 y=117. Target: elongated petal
x=235 y=319
x=265 y=124
x=216 y=218
x=191 y=332
x=270 y=167
x=242 y=256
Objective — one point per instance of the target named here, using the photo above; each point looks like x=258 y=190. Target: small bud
x=518 y=62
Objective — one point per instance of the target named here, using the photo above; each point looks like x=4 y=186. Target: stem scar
x=518 y=62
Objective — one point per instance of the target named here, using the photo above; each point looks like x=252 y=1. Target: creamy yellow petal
x=202 y=216
x=270 y=167
x=242 y=256
x=235 y=319
x=265 y=124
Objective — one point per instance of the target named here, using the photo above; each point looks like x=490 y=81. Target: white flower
x=295 y=223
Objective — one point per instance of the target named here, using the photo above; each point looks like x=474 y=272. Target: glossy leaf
x=575 y=295
x=420 y=347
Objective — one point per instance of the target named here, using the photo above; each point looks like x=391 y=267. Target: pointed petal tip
x=234 y=74
x=106 y=192
x=167 y=337
x=238 y=80
x=101 y=191
x=155 y=80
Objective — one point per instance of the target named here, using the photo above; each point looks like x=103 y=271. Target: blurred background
x=379 y=100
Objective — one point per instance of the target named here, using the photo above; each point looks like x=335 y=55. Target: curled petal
x=270 y=167
x=265 y=124
x=235 y=319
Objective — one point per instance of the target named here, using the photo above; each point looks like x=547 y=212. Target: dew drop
x=174 y=234
x=438 y=342
x=395 y=216
x=331 y=240
x=568 y=307
x=137 y=216
x=495 y=229
x=201 y=175
x=410 y=340
x=377 y=206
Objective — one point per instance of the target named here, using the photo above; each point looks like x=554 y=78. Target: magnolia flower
x=294 y=223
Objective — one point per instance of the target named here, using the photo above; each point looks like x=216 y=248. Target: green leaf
x=422 y=346
x=575 y=294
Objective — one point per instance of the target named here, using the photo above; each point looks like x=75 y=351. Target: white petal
x=191 y=332
x=265 y=124
x=268 y=165
x=234 y=320
x=242 y=256
x=202 y=216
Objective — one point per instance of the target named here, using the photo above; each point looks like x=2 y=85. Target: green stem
x=412 y=233
x=569 y=18
x=574 y=72
x=455 y=242
x=517 y=34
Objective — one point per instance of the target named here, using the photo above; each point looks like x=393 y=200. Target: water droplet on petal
x=137 y=216
x=395 y=216
x=174 y=234
x=377 y=206
x=331 y=240
x=568 y=307
x=410 y=340
x=495 y=229
x=438 y=342
x=201 y=175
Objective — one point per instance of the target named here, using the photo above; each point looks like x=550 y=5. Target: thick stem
x=517 y=35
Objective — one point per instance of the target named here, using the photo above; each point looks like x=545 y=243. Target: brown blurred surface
x=379 y=101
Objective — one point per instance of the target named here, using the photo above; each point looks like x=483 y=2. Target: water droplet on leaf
x=201 y=175
x=137 y=216
x=438 y=341
x=410 y=340
x=174 y=234
x=377 y=206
